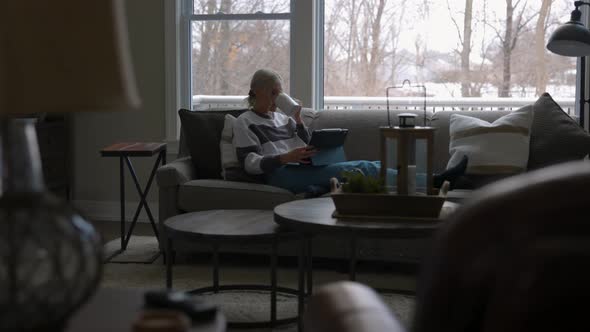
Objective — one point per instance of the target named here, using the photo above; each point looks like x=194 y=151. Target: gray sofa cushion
x=555 y=136
x=198 y=195
x=201 y=131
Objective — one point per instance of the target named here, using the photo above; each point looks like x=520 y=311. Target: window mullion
x=185 y=54
x=318 y=63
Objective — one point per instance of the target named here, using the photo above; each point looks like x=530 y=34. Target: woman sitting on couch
x=274 y=146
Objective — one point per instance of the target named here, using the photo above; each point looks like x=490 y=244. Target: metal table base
x=273 y=288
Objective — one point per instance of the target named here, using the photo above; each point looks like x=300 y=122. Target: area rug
x=140 y=249
x=251 y=305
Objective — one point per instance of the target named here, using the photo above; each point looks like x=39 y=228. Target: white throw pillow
x=501 y=147
x=229 y=159
x=308 y=115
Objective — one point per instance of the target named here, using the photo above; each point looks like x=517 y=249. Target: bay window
x=332 y=54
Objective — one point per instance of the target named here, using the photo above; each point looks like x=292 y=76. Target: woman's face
x=265 y=98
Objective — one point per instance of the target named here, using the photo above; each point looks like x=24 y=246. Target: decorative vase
x=50 y=257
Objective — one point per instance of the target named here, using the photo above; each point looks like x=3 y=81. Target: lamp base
x=50 y=257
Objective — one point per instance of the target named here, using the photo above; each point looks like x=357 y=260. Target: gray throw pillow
x=555 y=136
x=202 y=132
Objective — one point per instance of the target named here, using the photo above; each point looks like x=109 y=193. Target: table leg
x=273 y=281
x=161 y=159
x=301 y=280
x=169 y=262
x=138 y=209
x=215 y=267
x=122 y=198
x=309 y=266
x=143 y=195
x=353 y=257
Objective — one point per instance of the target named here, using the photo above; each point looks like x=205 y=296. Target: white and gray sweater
x=261 y=138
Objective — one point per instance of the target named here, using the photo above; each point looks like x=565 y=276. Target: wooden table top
x=133 y=149
x=115 y=310
x=315 y=216
x=220 y=224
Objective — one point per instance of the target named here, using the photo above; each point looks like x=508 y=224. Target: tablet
x=330 y=146
x=328 y=138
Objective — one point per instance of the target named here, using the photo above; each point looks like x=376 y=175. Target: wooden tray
x=387 y=206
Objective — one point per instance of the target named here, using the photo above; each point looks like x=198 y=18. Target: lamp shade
x=65 y=56
x=570 y=39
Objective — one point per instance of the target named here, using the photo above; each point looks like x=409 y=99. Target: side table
x=222 y=226
x=124 y=151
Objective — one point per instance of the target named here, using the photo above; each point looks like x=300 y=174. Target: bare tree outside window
x=225 y=53
x=457 y=48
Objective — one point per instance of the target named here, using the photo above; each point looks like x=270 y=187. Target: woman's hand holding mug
x=289 y=106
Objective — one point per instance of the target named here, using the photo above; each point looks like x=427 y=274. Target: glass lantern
x=407 y=156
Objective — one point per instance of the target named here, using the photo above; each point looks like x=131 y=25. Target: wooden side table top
x=133 y=149
x=115 y=310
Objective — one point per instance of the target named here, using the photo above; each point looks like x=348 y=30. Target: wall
x=96 y=179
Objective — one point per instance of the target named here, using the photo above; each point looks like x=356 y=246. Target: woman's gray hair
x=262 y=78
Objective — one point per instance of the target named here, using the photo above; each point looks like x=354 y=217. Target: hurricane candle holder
x=409 y=150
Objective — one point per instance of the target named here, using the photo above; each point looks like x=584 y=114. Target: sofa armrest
x=348 y=306
x=176 y=173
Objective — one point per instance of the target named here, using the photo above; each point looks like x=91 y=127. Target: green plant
x=358 y=183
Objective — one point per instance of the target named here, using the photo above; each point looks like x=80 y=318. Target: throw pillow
x=229 y=159
x=201 y=131
x=231 y=169
x=555 y=136
x=501 y=147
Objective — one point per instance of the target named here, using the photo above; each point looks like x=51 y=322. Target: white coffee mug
x=287 y=104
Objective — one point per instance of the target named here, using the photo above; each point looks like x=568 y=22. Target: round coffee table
x=311 y=217
x=315 y=216
x=218 y=226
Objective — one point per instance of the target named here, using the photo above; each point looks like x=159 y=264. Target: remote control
x=196 y=310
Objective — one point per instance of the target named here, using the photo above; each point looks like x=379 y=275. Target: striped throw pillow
x=501 y=147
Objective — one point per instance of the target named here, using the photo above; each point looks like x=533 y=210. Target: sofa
x=193 y=181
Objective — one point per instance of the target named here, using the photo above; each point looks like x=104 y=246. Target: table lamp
x=573 y=39
x=56 y=57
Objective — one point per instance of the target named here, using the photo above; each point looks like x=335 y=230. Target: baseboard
x=111 y=210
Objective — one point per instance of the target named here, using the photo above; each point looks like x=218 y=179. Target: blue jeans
x=298 y=178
